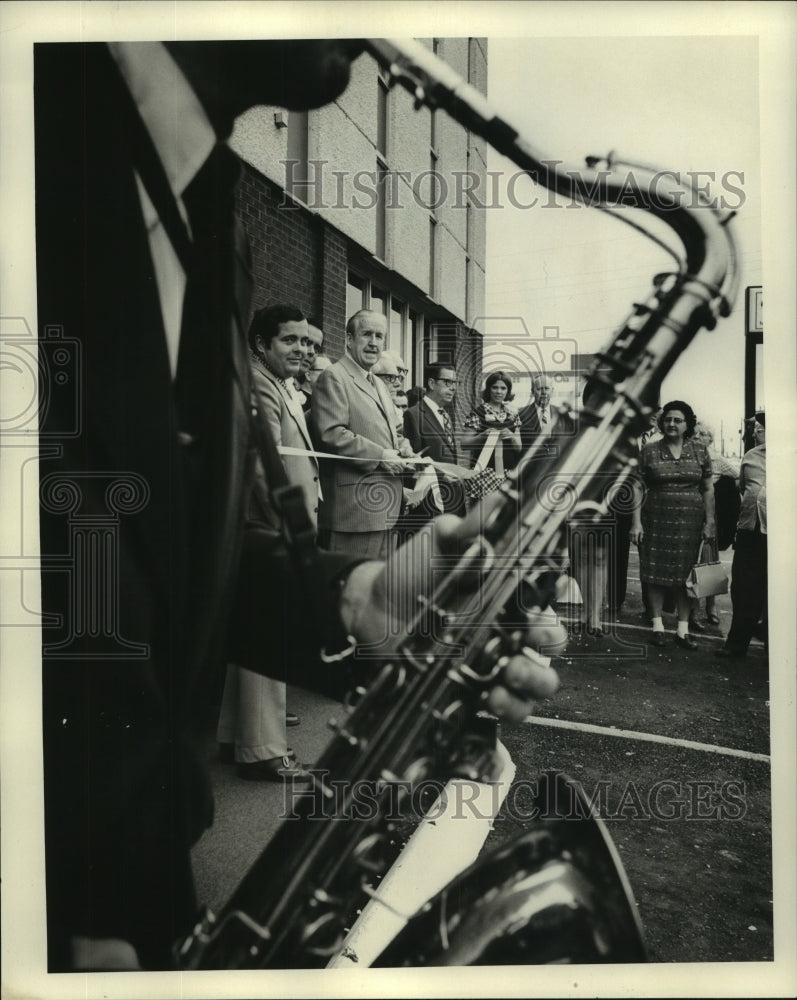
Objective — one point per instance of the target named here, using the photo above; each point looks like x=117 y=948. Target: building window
x=355 y=294
x=382 y=170
x=405 y=326
x=432 y=255
x=378 y=300
x=382 y=181
x=382 y=94
x=296 y=167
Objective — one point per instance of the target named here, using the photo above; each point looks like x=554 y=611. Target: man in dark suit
x=429 y=428
x=145 y=470
x=536 y=419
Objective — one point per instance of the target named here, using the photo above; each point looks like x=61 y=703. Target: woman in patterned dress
x=492 y=414
x=677 y=511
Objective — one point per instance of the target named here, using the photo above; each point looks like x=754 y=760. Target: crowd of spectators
x=378 y=459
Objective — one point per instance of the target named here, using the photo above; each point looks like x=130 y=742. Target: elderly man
x=536 y=418
x=398 y=361
x=387 y=370
x=353 y=417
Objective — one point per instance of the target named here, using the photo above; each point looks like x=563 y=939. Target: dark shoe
x=275 y=769
x=659 y=638
x=686 y=641
x=227 y=753
x=291 y=719
x=696 y=625
x=729 y=653
x=713 y=618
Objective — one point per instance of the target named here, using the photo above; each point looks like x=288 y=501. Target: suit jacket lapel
x=377 y=392
x=294 y=410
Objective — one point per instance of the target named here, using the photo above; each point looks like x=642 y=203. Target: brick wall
x=286 y=246
x=333 y=312
x=297 y=258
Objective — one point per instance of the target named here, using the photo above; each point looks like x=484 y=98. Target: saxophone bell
x=558 y=894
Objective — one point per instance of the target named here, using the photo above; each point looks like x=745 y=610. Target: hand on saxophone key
x=379 y=597
x=528 y=677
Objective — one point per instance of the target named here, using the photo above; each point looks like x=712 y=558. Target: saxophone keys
x=343 y=734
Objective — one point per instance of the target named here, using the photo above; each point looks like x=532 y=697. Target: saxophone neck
x=604 y=182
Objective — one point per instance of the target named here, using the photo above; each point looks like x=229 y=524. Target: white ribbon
x=487 y=451
x=425 y=482
x=308 y=452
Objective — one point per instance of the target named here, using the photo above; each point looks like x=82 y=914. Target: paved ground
x=677 y=744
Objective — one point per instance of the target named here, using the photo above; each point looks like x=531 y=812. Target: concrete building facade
x=364 y=203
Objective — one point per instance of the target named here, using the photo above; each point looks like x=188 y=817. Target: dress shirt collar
x=440 y=414
x=367 y=373
x=435 y=408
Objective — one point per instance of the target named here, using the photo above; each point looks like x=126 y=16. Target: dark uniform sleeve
x=274 y=628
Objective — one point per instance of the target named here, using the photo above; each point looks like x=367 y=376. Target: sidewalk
x=247 y=813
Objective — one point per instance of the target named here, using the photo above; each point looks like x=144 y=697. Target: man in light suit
x=353 y=416
x=253 y=708
x=429 y=428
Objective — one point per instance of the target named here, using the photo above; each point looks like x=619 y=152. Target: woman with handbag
x=725 y=474
x=749 y=568
x=676 y=511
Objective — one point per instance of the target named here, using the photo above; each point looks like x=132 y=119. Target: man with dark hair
x=152 y=458
x=429 y=427
x=252 y=720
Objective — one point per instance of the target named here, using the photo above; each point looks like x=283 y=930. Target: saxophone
x=558 y=893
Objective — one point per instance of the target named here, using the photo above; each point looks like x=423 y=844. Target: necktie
x=449 y=430
x=544 y=415
x=204 y=334
x=202 y=389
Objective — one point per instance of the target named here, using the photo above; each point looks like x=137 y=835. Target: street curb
x=435 y=854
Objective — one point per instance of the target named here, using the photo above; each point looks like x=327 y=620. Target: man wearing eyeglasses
x=429 y=427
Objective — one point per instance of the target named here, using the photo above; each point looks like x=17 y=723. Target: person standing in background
x=253 y=714
x=678 y=510
x=749 y=568
x=429 y=428
x=353 y=417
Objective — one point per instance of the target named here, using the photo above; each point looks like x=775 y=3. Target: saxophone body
x=558 y=893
